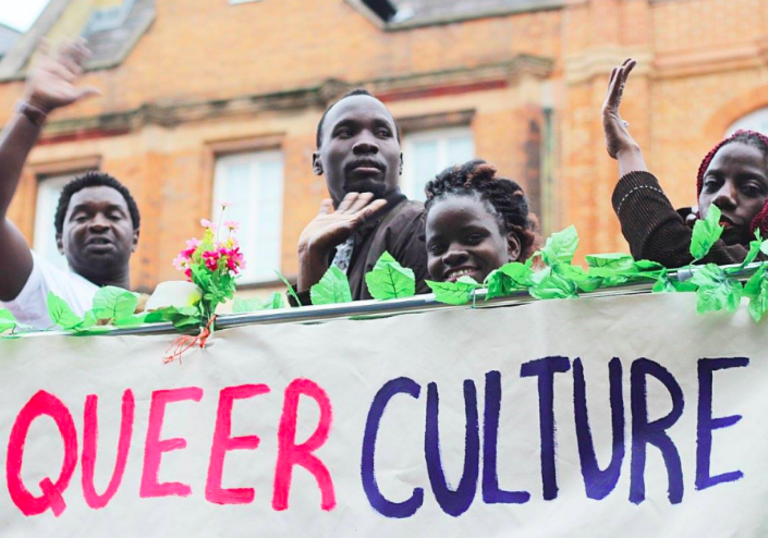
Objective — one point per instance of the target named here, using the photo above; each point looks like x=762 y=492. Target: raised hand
x=51 y=83
x=330 y=228
x=617 y=137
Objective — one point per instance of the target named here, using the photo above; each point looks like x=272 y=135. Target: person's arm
x=49 y=86
x=619 y=143
x=329 y=229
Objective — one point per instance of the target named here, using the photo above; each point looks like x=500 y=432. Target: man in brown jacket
x=358 y=151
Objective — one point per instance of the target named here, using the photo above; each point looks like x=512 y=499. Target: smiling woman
x=476 y=223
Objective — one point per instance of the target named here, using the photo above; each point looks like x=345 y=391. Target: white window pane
x=425 y=166
x=48 y=192
x=756 y=121
x=253 y=184
x=460 y=150
x=427 y=153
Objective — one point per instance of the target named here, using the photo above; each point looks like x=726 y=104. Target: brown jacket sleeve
x=655 y=231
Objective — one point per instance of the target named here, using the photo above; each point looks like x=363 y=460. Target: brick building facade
x=203 y=98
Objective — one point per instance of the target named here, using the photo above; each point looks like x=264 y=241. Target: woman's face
x=463 y=238
x=736 y=182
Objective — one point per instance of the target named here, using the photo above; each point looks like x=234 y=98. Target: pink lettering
x=290 y=454
x=222 y=443
x=41 y=404
x=90 y=449
x=154 y=447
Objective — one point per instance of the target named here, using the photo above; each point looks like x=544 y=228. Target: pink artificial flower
x=235 y=261
x=232 y=225
x=211 y=258
x=205 y=223
x=181 y=262
x=188 y=274
x=193 y=243
x=225 y=205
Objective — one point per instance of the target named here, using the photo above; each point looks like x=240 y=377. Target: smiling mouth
x=454 y=274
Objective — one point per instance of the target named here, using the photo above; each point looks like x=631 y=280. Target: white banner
x=603 y=417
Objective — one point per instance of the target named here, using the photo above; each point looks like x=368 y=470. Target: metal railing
x=394 y=307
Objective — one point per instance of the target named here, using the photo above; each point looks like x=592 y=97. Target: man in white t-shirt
x=97 y=220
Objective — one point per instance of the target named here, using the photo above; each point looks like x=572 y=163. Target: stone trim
x=411 y=86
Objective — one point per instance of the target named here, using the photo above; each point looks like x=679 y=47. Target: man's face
x=360 y=151
x=98 y=236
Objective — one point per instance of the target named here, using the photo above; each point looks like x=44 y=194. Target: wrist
x=36 y=115
x=630 y=150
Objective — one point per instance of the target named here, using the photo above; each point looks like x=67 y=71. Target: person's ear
x=513 y=247
x=317 y=164
x=135 y=241
x=60 y=244
x=401 y=163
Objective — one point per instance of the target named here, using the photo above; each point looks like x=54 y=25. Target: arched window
x=756 y=121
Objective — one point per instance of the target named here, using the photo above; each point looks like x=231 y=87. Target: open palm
x=330 y=228
x=51 y=84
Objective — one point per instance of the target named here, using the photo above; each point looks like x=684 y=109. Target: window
x=427 y=153
x=253 y=184
x=756 y=121
x=48 y=191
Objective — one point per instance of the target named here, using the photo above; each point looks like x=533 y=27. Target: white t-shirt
x=30 y=307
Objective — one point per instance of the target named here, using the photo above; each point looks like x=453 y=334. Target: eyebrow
x=87 y=207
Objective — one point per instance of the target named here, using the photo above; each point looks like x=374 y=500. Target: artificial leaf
x=131 y=321
x=582 y=280
x=114 y=303
x=619 y=262
x=507 y=279
x=291 y=291
x=333 y=288
x=647 y=265
x=706 y=233
x=7 y=320
x=756 y=289
x=390 y=280
x=560 y=247
x=754 y=250
x=454 y=293
x=274 y=302
x=60 y=313
x=551 y=285
x=663 y=284
x=715 y=290
x=241 y=306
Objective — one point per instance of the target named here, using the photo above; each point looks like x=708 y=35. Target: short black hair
x=94 y=179
x=351 y=93
x=504 y=198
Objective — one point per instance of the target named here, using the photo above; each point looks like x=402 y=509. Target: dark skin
x=736 y=180
x=51 y=85
x=98 y=236
x=464 y=239
x=361 y=160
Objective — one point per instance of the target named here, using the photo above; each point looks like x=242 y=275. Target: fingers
x=87 y=91
x=617 y=83
x=326 y=206
x=347 y=202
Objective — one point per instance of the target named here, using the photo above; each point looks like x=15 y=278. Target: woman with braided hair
x=733 y=176
x=475 y=222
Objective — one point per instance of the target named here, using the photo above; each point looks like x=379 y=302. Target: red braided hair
x=747 y=137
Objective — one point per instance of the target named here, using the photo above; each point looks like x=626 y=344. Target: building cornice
x=410 y=86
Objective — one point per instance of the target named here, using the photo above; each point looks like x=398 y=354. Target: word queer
x=289 y=452
x=598 y=482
